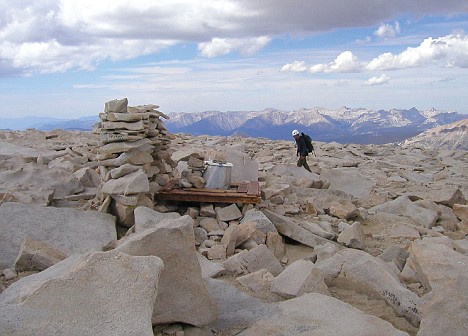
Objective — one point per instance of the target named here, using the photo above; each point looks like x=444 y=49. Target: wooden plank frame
x=248 y=193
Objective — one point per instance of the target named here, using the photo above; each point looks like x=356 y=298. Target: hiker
x=302 y=151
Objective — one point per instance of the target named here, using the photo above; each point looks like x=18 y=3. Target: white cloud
x=345 y=62
x=219 y=46
x=383 y=79
x=66 y=34
x=387 y=31
x=52 y=56
x=447 y=51
x=296 y=66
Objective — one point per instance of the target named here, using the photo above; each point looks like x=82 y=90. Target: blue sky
x=66 y=58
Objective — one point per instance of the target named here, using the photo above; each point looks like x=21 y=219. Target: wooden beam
x=243 y=187
x=212 y=195
x=209 y=198
x=253 y=188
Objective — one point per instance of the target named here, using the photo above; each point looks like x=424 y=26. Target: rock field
x=372 y=242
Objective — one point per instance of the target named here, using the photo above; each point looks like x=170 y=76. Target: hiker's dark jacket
x=301 y=147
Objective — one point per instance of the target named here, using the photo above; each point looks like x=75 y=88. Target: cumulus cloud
x=66 y=34
x=345 y=62
x=447 y=51
x=383 y=79
x=296 y=66
x=219 y=46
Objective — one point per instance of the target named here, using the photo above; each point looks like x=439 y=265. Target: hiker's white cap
x=295 y=132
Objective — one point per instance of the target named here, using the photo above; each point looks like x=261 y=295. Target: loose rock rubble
x=373 y=241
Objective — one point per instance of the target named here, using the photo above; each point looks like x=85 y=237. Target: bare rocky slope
x=451 y=136
x=372 y=242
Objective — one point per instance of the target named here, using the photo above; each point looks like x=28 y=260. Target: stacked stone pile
x=134 y=157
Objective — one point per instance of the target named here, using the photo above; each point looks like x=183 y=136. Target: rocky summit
x=373 y=241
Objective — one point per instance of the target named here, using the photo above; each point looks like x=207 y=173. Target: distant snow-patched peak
x=356 y=125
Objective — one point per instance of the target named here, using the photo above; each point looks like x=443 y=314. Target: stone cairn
x=134 y=157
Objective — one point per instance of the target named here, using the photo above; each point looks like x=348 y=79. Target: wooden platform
x=245 y=192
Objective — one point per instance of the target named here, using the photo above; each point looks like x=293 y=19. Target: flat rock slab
x=359 y=271
x=262 y=223
x=251 y=261
x=405 y=207
x=236 y=309
x=293 y=230
x=182 y=295
x=290 y=170
x=31 y=183
x=348 y=180
x=9 y=150
x=302 y=276
x=244 y=168
x=69 y=230
x=146 y=218
x=97 y=293
x=445 y=273
x=316 y=315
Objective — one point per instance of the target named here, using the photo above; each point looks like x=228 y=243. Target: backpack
x=308 y=141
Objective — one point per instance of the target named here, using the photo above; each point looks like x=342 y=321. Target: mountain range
x=344 y=125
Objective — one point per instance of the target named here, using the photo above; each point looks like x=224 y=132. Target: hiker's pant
x=303 y=162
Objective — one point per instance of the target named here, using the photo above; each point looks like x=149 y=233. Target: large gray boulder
x=182 y=295
x=404 y=207
x=69 y=230
x=289 y=228
x=97 y=293
x=228 y=213
x=359 y=271
x=146 y=218
x=315 y=314
x=349 y=180
x=133 y=183
x=353 y=236
x=244 y=168
x=236 y=309
x=444 y=273
x=251 y=261
x=262 y=223
x=302 y=276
